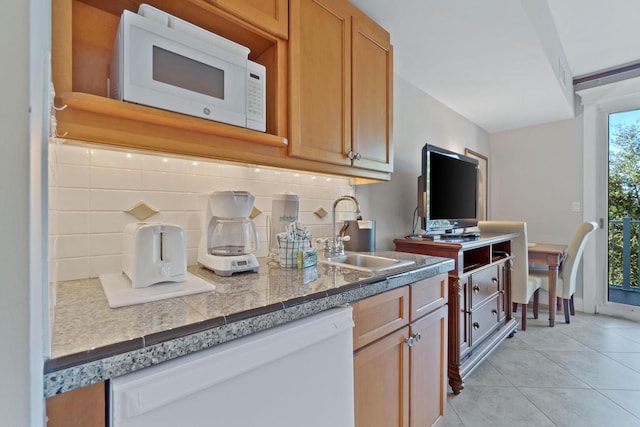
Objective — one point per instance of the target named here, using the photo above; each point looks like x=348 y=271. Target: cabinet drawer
x=427 y=295
x=379 y=315
x=484 y=319
x=483 y=285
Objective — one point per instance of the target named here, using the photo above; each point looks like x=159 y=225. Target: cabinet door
x=372 y=95
x=381 y=379
x=319 y=76
x=428 y=357
x=80 y=407
x=270 y=15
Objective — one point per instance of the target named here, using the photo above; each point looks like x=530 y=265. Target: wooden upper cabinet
x=341 y=79
x=372 y=94
x=320 y=87
x=270 y=15
x=335 y=61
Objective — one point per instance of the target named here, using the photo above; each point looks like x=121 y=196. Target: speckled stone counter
x=92 y=342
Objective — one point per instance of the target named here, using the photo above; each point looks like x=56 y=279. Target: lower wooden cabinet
x=428 y=369
x=381 y=373
x=81 y=407
x=400 y=375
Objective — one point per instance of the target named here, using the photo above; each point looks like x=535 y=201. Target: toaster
x=153 y=253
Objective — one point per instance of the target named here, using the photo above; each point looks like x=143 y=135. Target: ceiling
x=507 y=64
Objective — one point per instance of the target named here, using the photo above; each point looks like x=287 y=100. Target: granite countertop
x=92 y=342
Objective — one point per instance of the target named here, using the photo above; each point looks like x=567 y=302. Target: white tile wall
x=90 y=189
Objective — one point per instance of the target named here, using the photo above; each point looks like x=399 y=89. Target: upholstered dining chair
x=523 y=286
x=566 y=284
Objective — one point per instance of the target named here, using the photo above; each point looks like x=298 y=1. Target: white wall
x=14 y=214
x=418 y=119
x=536 y=176
x=90 y=189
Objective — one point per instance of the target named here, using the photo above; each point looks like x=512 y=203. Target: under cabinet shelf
x=93 y=118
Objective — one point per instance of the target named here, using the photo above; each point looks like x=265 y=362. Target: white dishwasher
x=297 y=374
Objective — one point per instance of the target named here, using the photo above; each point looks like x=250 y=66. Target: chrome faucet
x=336 y=247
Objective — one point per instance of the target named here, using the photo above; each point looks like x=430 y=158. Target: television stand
x=479 y=302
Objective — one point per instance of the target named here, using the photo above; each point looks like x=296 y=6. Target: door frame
x=598 y=102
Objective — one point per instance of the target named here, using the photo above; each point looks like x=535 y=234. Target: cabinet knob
x=494 y=312
x=476 y=289
x=410 y=341
x=354 y=156
x=494 y=280
x=476 y=325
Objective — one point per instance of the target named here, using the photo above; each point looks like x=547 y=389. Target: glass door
x=623 y=208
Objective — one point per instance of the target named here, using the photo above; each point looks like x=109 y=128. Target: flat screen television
x=447 y=190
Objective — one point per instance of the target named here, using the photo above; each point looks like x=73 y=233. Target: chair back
x=520 y=290
x=569 y=268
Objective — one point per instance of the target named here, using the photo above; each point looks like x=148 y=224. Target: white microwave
x=164 y=62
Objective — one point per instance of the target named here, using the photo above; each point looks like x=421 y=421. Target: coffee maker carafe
x=229 y=236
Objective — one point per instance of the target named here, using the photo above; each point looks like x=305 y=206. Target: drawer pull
x=476 y=325
x=476 y=289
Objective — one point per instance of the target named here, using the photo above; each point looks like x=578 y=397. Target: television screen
x=448 y=189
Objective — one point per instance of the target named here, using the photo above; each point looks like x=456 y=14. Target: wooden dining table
x=551 y=255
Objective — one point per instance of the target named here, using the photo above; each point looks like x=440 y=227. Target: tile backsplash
x=91 y=188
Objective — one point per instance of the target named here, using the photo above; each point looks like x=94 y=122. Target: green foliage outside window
x=624 y=197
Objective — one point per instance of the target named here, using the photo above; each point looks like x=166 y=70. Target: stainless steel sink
x=364 y=262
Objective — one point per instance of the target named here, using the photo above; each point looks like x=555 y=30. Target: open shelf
x=475 y=258
x=156 y=121
x=82 y=36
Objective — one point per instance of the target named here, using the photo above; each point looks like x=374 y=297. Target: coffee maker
x=229 y=236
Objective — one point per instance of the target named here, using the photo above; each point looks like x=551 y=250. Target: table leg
x=553 y=279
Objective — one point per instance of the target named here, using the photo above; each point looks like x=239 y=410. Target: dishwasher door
x=298 y=374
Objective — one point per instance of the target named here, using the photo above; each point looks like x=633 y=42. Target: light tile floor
x=586 y=373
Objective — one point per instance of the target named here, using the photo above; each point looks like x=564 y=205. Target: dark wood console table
x=479 y=297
